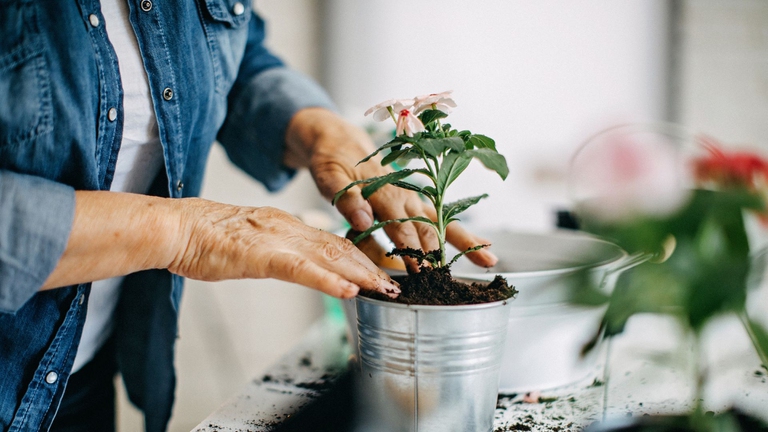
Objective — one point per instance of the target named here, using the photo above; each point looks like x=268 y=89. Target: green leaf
x=453 y=165
x=491 y=159
x=462 y=253
x=384 y=180
x=437 y=146
x=429 y=190
x=409 y=186
x=406 y=157
x=452 y=209
x=481 y=141
x=398 y=141
x=394 y=155
x=584 y=290
x=379 y=225
x=348 y=187
x=428 y=116
x=648 y=288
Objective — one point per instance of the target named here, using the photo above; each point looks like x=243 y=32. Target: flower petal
x=386 y=103
x=381 y=114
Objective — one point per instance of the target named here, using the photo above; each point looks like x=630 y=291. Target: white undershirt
x=138 y=161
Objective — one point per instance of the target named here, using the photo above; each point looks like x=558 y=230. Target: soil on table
x=436 y=286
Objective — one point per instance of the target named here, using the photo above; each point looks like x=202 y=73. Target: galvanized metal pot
x=428 y=368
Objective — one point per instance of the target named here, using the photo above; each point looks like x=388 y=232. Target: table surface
x=646 y=370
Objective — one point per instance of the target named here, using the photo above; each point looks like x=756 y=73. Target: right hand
x=230 y=242
x=331 y=148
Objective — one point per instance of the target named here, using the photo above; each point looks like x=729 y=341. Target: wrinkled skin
x=229 y=242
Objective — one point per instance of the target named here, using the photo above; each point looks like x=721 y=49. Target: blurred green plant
x=701 y=266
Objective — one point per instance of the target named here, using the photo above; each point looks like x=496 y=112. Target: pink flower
x=408 y=123
x=384 y=110
x=439 y=101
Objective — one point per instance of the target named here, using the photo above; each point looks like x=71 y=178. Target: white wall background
x=724 y=70
x=539 y=77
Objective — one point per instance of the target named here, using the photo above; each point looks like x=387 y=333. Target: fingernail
x=390 y=286
x=350 y=290
x=491 y=255
x=360 y=220
x=491 y=258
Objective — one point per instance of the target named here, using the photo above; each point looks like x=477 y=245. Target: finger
x=358 y=273
x=403 y=235
x=463 y=240
x=341 y=256
x=376 y=253
x=427 y=235
x=303 y=271
x=357 y=211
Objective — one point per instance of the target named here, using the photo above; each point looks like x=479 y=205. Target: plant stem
x=439 y=124
x=752 y=337
x=699 y=375
x=440 y=229
x=440 y=223
x=392 y=114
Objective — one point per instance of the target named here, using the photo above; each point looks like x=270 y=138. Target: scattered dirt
x=436 y=286
x=323 y=383
x=517 y=427
x=306 y=361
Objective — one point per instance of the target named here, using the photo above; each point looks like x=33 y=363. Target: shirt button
x=167 y=94
x=94 y=20
x=179 y=185
x=146 y=5
x=82 y=299
x=112 y=114
x=238 y=8
x=51 y=377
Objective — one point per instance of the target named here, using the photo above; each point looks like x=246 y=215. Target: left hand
x=331 y=148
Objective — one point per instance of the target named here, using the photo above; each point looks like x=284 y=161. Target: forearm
x=114 y=234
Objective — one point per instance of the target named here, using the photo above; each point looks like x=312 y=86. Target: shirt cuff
x=36 y=217
x=254 y=132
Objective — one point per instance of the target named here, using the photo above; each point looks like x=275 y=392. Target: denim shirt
x=210 y=78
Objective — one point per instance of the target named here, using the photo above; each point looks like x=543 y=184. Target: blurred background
x=539 y=77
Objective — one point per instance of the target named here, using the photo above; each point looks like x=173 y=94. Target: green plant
x=445 y=153
x=702 y=265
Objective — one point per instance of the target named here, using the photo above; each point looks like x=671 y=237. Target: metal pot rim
x=605 y=264
x=463 y=307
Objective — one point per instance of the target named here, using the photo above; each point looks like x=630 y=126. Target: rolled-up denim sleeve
x=36 y=217
x=262 y=102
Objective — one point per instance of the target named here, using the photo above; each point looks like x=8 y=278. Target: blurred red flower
x=738 y=169
x=732 y=170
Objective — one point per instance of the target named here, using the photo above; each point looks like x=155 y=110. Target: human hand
x=230 y=242
x=332 y=147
